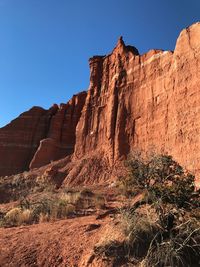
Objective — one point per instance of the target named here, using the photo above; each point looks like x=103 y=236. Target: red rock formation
x=20 y=138
x=145 y=101
x=39 y=136
x=60 y=139
x=133 y=102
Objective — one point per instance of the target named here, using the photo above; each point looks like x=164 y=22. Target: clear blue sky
x=45 y=44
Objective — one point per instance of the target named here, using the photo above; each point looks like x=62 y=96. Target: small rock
x=92 y=227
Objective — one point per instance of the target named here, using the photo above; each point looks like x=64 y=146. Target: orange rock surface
x=133 y=102
x=145 y=101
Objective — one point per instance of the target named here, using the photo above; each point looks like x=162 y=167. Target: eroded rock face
x=20 y=138
x=149 y=101
x=144 y=102
x=60 y=140
x=38 y=136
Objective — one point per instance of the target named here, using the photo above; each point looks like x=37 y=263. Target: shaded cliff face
x=133 y=102
x=20 y=138
x=60 y=139
x=39 y=136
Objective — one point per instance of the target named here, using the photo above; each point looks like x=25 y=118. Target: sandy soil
x=60 y=243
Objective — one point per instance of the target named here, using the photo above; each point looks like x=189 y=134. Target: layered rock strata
x=149 y=101
x=39 y=136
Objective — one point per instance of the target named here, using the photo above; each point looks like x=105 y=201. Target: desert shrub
x=17 y=216
x=43 y=218
x=153 y=242
x=161 y=229
x=181 y=248
x=163 y=177
x=61 y=209
x=42 y=211
x=99 y=201
x=131 y=244
x=71 y=197
x=11 y=218
x=25 y=217
x=46 y=209
x=139 y=231
x=52 y=207
x=86 y=192
x=83 y=199
x=14 y=187
x=41 y=207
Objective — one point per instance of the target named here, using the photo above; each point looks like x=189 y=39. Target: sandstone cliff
x=145 y=101
x=39 y=136
x=133 y=101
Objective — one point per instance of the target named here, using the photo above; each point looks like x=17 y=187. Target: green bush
x=161 y=228
x=162 y=177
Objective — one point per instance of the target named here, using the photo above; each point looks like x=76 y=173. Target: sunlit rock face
x=149 y=101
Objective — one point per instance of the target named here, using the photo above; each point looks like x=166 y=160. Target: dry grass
x=147 y=240
x=17 y=216
x=71 y=197
x=12 y=216
x=43 y=218
x=84 y=199
x=61 y=209
x=181 y=248
x=52 y=207
x=168 y=236
x=25 y=217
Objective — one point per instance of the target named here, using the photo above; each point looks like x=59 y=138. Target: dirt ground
x=60 y=243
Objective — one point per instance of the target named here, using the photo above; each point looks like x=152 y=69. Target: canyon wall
x=60 y=139
x=39 y=136
x=149 y=101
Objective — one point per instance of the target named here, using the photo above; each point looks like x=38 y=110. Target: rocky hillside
x=133 y=102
